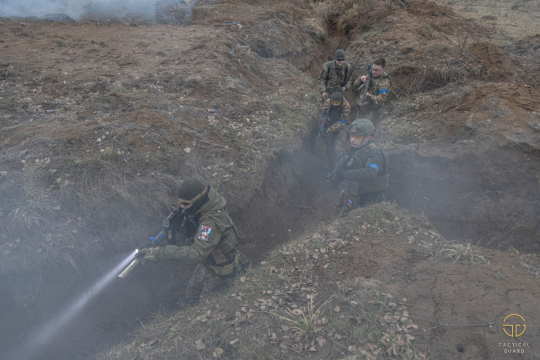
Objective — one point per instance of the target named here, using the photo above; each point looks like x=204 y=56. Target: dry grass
x=465 y=251
x=368 y=312
x=302 y=323
x=32 y=212
x=512 y=19
x=117 y=89
x=527 y=263
x=381 y=214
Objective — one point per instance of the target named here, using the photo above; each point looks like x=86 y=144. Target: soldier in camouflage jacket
x=337 y=109
x=379 y=86
x=215 y=243
x=333 y=74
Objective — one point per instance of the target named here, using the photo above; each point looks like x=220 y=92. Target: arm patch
x=374 y=166
x=204 y=233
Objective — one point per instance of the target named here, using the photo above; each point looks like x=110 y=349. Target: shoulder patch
x=204 y=233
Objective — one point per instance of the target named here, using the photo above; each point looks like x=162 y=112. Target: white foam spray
x=47 y=331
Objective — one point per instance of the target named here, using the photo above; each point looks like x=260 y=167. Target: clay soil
x=83 y=185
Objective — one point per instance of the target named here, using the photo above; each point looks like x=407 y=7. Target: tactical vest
x=329 y=66
x=381 y=182
x=334 y=114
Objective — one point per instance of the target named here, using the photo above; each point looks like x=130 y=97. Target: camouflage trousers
x=204 y=274
x=347 y=202
x=333 y=143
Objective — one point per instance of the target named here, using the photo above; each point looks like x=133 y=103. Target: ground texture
x=101 y=119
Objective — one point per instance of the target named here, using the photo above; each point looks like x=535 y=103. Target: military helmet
x=339 y=54
x=336 y=98
x=362 y=127
x=190 y=191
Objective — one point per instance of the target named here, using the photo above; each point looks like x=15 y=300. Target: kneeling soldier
x=215 y=243
x=366 y=171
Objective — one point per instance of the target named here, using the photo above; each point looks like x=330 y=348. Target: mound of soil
x=495 y=63
x=130 y=119
x=506 y=112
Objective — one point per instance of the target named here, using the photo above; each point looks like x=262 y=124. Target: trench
x=491 y=200
x=289 y=203
x=294 y=199
x=455 y=195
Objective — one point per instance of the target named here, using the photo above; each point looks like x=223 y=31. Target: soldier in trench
x=379 y=86
x=366 y=172
x=333 y=74
x=214 y=239
x=337 y=109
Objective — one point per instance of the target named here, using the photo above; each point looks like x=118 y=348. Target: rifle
x=173 y=218
x=342 y=160
x=352 y=69
x=366 y=85
x=322 y=128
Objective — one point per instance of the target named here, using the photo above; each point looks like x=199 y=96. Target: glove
x=150 y=254
x=336 y=127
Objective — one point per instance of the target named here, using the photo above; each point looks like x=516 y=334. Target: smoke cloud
x=178 y=11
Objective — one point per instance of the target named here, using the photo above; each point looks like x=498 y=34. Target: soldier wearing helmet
x=214 y=239
x=366 y=172
x=337 y=109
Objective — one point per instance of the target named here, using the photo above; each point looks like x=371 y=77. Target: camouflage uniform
x=337 y=123
x=367 y=176
x=214 y=248
x=378 y=89
x=335 y=75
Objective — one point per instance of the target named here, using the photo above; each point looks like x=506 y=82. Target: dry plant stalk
x=465 y=251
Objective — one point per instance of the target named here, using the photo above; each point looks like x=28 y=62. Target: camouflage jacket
x=367 y=171
x=216 y=240
x=378 y=90
x=337 y=113
x=335 y=76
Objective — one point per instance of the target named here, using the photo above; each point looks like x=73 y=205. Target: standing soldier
x=336 y=109
x=215 y=241
x=333 y=74
x=366 y=171
x=379 y=85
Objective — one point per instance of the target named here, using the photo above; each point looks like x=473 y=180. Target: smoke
x=40 y=8
x=177 y=11
x=43 y=334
